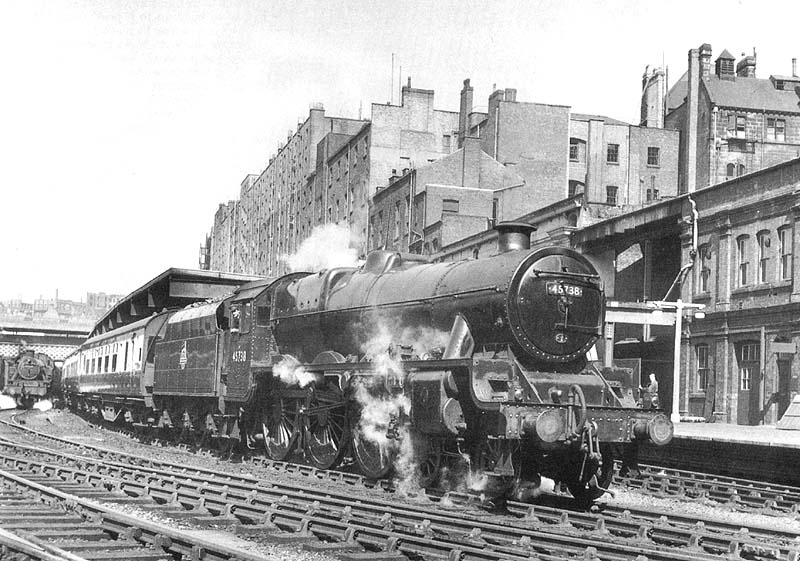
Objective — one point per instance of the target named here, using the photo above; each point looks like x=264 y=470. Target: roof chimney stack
x=464 y=111
x=794 y=68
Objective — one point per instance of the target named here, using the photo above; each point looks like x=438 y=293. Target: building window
x=652 y=156
x=704 y=253
x=574 y=188
x=785 y=242
x=730 y=171
x=741 y=260
x=446 y=144
x=573 y=149
x=763 y=255
x=652 y=192
x=748 y=357
x=397 y=220
x=702 y=367
x=741 y=126
x=611 y=194
x=740 y=170
x=780 y=130
x=450 y=205
x=612 y=155
x=770 y=128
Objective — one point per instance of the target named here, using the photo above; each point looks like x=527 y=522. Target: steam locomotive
x=28 y=377
x=474 y=369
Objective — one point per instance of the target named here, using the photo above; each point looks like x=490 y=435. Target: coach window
x=114 y=362
x=105 y=364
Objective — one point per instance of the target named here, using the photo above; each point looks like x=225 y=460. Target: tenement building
x=326 y=172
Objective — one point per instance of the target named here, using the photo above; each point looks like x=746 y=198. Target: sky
x=123 y=124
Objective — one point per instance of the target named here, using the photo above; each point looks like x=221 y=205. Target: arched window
x=740 y=170
x=764 y=241
x=704 y=254
x=742 y=260
x=730 y=171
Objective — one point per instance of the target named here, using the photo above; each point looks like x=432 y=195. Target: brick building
x=326 y=172
x=730 y=121
x=455 y=196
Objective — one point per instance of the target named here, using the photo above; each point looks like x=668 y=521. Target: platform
x=763 y=453
x=759 y=435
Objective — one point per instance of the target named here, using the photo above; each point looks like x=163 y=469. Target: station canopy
x=174 y=288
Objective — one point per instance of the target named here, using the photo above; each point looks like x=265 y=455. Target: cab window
x=246 y=317
x=236 y=318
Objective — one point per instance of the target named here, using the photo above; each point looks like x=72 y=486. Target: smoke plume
x=327 y=247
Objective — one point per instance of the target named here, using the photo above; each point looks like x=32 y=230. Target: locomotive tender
x=488 y=359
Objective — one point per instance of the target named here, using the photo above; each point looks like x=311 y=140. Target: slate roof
x=726 y=55
x=742 y=93
x=751 y=93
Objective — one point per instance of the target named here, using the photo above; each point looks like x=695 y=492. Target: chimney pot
x=794 y=67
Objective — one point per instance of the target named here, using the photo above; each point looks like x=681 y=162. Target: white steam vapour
x=43 y=405
x=292 y=373
x=328 y=246
x=7 y=402
x=383 y=415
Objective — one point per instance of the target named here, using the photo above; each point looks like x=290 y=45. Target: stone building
x=730 y=248
x=730 y=121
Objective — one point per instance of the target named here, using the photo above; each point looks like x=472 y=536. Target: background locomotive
x=29 y=377
x=476 y=367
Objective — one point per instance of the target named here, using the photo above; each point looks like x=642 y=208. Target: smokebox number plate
x=561 y=289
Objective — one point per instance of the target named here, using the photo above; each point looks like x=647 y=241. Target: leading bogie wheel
x=594 y=487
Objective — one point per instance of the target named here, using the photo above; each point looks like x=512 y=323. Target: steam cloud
x=7 y=402
x=383 y=416
x=328 y=246
x=292 y=373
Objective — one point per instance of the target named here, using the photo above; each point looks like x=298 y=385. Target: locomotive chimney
x=513 y=236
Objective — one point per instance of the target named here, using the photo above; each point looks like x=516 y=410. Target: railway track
x=740 y=495
x=306 y=512
x=47 y=520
